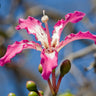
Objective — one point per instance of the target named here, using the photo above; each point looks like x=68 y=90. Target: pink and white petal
x=49 y=62
x=33 y=45
x=16 y=48
x=34 y=26
x=57 y=32
x=73 y=37
x=74 y=17
x=59 y=26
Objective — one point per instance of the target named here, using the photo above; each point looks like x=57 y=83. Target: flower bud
x=40 y=68
x=31 y=86
x=41 y=92
x=11 y=94
x=32 y=93
x=65 y=67
x=67 y=94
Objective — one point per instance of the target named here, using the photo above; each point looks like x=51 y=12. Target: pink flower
x=49 y=46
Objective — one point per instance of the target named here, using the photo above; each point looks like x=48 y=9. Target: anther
x=45 y=18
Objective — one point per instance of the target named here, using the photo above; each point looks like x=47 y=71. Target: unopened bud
x=40 y=68
x=65 y=67
x=31 y=86
x=41 y=92
x=32 y=93
x=11 y=94
x=67 y=94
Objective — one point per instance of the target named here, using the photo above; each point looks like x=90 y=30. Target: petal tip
x=21 y=20
x=74 y=17
x=17 y=27
x=1 y=63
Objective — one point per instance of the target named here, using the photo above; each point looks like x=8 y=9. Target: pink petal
x=57 y=32
x=71 y=17
x=74 y=17
x=16 y=48
x=73 y=37
x=34 y=26
x=49 y=62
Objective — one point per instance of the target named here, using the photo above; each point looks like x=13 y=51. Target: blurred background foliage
x=13 y=76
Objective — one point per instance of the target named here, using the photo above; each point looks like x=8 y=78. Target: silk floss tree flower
x=49 y=46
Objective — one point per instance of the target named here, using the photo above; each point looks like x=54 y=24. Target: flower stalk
x=39 y=94
x=51 y=88
x=58 y=83
x=54 y=80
